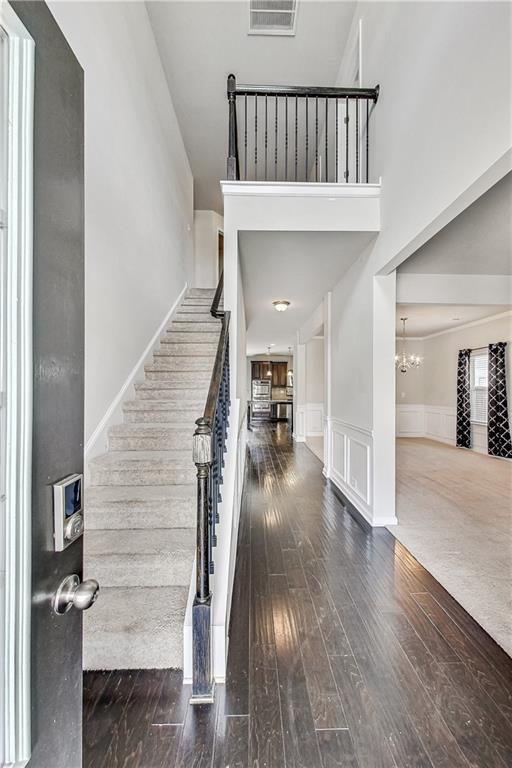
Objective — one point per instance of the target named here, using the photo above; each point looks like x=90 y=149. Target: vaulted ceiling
x=201 y=42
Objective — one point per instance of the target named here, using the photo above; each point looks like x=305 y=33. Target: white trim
x=299 y=189
x=18 y=504
x=472 y=324
x=97 y=441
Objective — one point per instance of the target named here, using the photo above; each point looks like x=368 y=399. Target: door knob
x=74 y=593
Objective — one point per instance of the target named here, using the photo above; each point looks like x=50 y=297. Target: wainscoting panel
x=299 y=431
x=314 y=419
x=351 y=451
x=436 y=422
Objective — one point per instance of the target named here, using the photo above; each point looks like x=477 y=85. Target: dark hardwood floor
x=344 y=652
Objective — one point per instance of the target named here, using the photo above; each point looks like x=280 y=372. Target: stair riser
x=167 y=476
x=190 y=337
x=182 y=379
x=196 y=317
x=201 y=292
x=169 y=416
x=160 y=443
x=112 y=647
x=201 y=349
x=146 y=515
x=170 y=397
x=203 y=300
x=193 y=327
x=185 y=364
x=136 y=570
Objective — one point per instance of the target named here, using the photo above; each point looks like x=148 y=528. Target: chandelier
x=403 y=361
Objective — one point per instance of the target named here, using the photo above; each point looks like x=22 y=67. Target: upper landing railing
x=299 y=133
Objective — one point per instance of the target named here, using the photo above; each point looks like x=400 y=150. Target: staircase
x=140 y=508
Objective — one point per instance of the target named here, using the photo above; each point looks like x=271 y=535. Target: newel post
x=233 y=168
x=202 y=683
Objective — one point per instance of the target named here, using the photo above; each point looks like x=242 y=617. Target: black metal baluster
x=245 y=137
x=346 y=139
x=275 y=143
x=256 y=137
x=266 y=140
x=316 y=138
x=307 y=136
x=367 y=140
x=286 y=138
x=296 y=132
x=326 y=140
x=336 y=149
x=357 y=141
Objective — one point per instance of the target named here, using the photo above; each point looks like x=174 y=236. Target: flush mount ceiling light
x=403 y=361
x=280 y=305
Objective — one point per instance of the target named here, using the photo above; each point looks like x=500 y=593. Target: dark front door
x=58 y=382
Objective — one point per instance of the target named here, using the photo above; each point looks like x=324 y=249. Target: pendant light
x=404 y=362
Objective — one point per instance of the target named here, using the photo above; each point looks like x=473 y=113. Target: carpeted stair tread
x=140 y=504
x=120 y=507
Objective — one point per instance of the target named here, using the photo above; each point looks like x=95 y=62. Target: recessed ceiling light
x=280 y=305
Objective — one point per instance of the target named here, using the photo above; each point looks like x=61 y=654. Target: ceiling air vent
x=272 y=17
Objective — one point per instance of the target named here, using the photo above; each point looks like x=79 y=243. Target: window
x=479 y=382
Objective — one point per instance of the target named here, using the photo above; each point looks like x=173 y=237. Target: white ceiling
x=298 y=266
x=477 y=242
x=424 y=319
x=202 y=42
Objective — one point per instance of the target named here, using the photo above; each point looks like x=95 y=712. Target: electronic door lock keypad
x=67 y=511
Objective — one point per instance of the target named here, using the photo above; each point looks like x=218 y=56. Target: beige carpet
x=454 y=515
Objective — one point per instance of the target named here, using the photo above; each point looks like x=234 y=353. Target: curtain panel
x=498 y=426
x=463 y=399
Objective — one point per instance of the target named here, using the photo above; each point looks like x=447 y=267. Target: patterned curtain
x=464 y=399
x=498 y=427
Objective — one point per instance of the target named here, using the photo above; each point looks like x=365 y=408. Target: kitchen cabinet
x=279 y=371
x=259 y=370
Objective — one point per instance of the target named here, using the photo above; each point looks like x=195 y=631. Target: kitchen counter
x=271 y=402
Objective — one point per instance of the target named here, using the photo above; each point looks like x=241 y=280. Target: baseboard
x=97 y=443
x=354 y=512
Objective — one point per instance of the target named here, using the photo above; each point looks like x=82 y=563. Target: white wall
x=315 y=371
x=410 y=386
x=423 y=57
x=434 y=63
x=138 y=193
x=206 y=228
x=429 y=408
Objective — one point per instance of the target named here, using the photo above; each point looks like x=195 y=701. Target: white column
x=299 y=381
x=384 y=311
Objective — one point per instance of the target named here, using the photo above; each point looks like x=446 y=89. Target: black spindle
x=275 y=142
x=286 y=138
x=336 y=136
x=256 y=137
x=346 y=138
x=245 y=137
x=296 y=132
x=326 y=140
x=367 y=140
x=307 y=136
x=266 y=138
x=357 y=141
x=316 y=138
